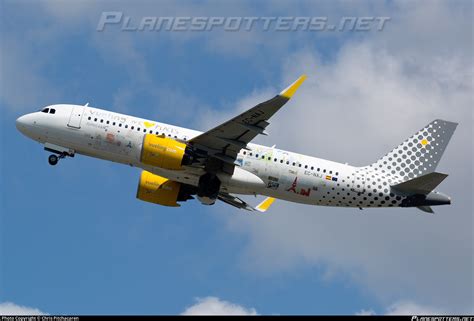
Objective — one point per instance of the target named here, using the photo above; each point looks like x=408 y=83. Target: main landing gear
x=54 y=159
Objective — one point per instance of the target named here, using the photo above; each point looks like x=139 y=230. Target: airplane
x=221 y=163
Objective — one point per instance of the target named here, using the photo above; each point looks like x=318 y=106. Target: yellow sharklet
x=265 y=205
x=290 y=90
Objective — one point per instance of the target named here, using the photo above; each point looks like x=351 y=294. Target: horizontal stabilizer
x=426 y=209
x=421 y=185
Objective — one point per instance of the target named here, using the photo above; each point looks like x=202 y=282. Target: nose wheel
x=54 y=159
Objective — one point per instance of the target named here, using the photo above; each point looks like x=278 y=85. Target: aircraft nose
x=23 y=124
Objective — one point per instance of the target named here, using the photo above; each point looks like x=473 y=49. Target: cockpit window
x=45 y=110
x=52 y=111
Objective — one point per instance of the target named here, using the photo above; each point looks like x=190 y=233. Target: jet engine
x=162 y=191
x=164 y=152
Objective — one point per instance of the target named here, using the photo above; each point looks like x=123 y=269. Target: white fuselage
x=261 y=170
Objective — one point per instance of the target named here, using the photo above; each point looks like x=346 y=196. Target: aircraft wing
x=224 y=142
x=241 y=204
x=234 y=201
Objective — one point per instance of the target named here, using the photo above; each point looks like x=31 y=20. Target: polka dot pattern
x=370 y=186
x=418 y=155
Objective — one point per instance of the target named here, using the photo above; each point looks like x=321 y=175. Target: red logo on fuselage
x=294 y=185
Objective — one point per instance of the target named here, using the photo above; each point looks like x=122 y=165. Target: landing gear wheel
x=53 y=160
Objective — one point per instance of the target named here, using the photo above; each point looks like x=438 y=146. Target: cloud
x=215 y=306
x=366 y=312
x=411 y=308
x=9 y=308
x=354 y=108
x=405 y=308
x=47 y=23
x=21 y=85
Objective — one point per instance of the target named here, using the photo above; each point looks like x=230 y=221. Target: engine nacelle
x=164 y=152
x=159 y=190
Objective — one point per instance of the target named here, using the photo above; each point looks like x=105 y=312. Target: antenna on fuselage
x=87 y=105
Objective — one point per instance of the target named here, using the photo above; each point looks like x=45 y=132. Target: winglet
x=291 y=89
x=265 y=205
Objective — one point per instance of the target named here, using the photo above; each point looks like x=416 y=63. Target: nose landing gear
x=54 y=159
x=61 y=152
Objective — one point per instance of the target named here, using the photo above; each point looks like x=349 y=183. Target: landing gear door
x=76 y=117
x=358 y=182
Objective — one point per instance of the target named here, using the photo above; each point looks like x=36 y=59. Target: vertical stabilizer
x=419 y=154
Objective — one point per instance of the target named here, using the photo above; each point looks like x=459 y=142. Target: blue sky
x=74 y=240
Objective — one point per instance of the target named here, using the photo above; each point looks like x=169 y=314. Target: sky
x=75 y=240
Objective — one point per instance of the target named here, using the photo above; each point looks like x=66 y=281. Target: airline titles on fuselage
x=131 y=121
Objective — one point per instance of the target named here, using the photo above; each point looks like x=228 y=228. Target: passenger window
x=312 y=167
x=330 y=172
x=107 y=122
x=120 y=124
x=132 y=127
x=319 y=169
x=306 y=166
x=95 y=119
x=256 y=155
x=101 y=120
x=126 y=125
x=52 y=111
x=89 y=118
x=113 y=123
x=138 y=129
x=324 y=171
x=46 y=110
x=294 y=164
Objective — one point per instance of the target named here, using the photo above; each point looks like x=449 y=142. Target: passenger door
x=76 y=117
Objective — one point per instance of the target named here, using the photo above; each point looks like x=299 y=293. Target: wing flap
x=234 y=201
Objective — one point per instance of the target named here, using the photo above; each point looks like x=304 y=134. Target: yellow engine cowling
x=162 y=152
x=159 y=190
